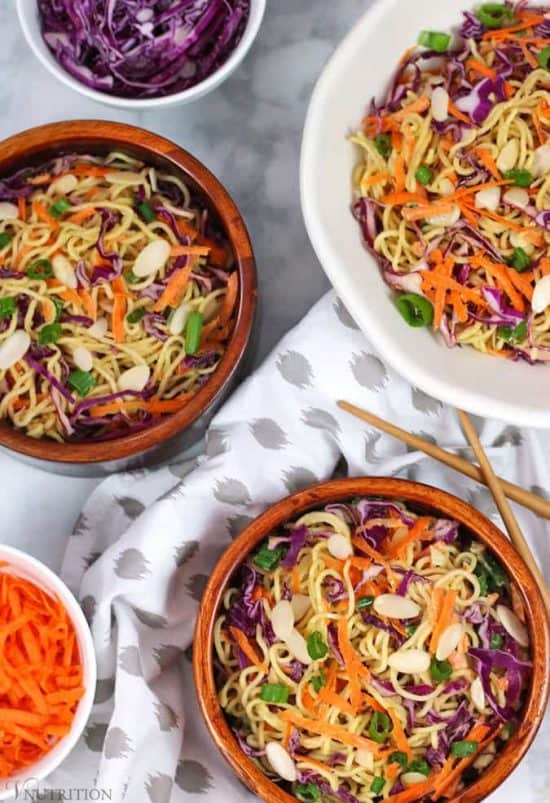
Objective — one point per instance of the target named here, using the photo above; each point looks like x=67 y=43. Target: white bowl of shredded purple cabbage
x=141 y=53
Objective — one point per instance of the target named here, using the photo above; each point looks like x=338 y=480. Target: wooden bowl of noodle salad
x=372 y=639
x=127 y=296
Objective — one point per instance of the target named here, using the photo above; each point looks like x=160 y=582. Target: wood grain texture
x=99 y=138
x=423 y=499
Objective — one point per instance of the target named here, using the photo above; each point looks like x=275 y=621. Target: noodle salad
x=117 y=297
x=452 y=188
x=368 y=653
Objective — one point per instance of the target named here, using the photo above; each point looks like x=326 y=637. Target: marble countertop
x=248 y=133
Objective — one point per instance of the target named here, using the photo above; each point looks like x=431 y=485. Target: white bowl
x=30 y=23
x=359 y=70
x=35 y=571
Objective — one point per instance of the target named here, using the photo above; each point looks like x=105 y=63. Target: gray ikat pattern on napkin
x=146 y=542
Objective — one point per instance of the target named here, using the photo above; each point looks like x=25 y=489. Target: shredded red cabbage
x=142 y=48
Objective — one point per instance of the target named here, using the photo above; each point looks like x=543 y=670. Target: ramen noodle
x=453 y=180
x=117 y=297
x=369 y=653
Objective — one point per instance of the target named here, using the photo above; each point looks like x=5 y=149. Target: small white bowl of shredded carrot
x=47 y=671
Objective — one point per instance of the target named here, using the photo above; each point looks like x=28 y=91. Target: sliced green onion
x=316 y=647
x=498 y=575
x=59 y=208
x=399 y=758
x=146 y=211
x=411 y=630
x=379 y=727
x=364 y=602
x=383 y=145
x=463 y=749
x=515 y=334
x=435 y=40
x=415 y=310
x=494 y=15
x=41 y=269
x=318 y=681
x=193 y=331
x=308 y=792
x=496 y=641
x=483 y=576
x=136 y=315
x=81 y=381
x=521 y=178
x=268 y=559
x=7 y=307
x=519 y=260
x=419 y=765
x=440 y=670
x=377 y=785
x=274 y=693
x=49 y=334
x=544 y=58
x=131 y=277
x=424 y=175
x=5 y=239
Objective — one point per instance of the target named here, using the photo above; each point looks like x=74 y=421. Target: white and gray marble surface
x=248 y=133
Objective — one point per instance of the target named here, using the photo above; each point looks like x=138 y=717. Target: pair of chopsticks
x=483 y=473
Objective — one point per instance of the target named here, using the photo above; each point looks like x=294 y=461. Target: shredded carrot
x=398 y=734
x=39 y=659
x=49 y=310
x=454 y=112
x=175 y=288
x=82 y=214
x=65 y=293
x=413 y=794
x=399 y=174
x=452 y=771
x=429 y=210
x=189 y=250
x=118 y=315
x=22 y=207
x=295 y=580
x=83 y=169
x=506 y=33
x=88 y=303
x=488 y=162
x=333 y=699
x=287 y=734
x=376 y=178
x=417 y=107
x=444 y=618
x=154 y=405
x=544 y=266
x=335 y=732
x=402 y=198
x=42 y=214
x=230 y=298
x=501 y=274
x=415 y=533
x=481 y=68
x=245 y=647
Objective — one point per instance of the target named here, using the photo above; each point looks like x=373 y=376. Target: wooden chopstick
x=510 y=521
x=529 y=500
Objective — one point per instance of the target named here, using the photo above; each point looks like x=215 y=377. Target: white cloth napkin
x=146 y=541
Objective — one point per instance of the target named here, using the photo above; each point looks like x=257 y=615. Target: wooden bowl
x=421 y=498
x=180 y=430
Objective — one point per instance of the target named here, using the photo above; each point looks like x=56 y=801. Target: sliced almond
x=412 y=778
x=282 y=619
x=339 y=546
x=177 y=321
x=301 y=604
x=541 y=295
x=508 y=156
x=364 y=759
x=281 y=762
x=541 y=160
x=395 y=607
x=516 y=197
x=448 y=219
x=14 y=348
x=440 y=104
x=134 y=378
x=446 y=186
x=449 y=641
x=488 y=198
x=297 y=646
x=512 y=624
x=98 y=329
x=64 y=271
x=64 y=184
x=152 y=258
x=124 y=177
x=83 y=359
x=519 y=241
x=8 y=211
x=411 y=662
x=478 y=694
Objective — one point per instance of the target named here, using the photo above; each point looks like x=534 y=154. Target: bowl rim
x=22 y=148
x=412 y=493
x=43 y=575
x=42 y=53
x=438 y=386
